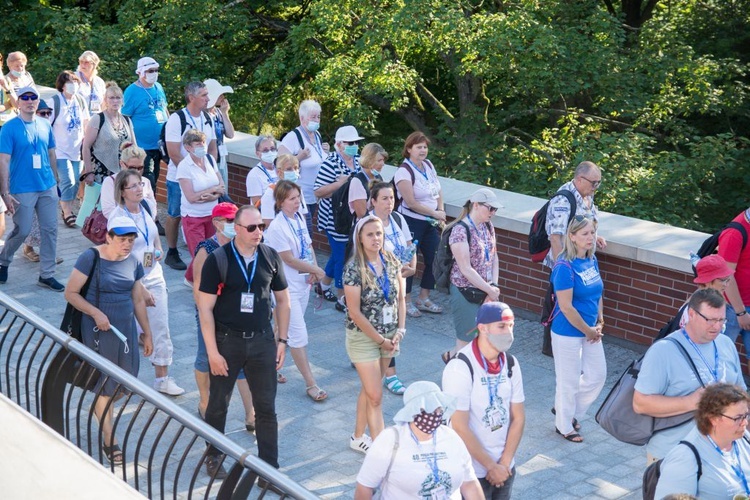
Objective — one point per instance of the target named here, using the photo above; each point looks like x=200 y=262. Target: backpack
x=56 y=102
x=711 y=244
x=397 y=198
x=511 y=360
x=343 y=218
x=441 y=266
x=183 y=127
x=299 y=137
x=349 y=249
x=222 y=262
x=673 y=325
x=539 y=244
x=653 y=472
x=619 y=419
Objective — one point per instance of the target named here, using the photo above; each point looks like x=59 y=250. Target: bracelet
x=383 y=342
x=284 y=341
x=402 y=331
x=741 y=313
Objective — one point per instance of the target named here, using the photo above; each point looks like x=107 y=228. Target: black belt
x=231 y=332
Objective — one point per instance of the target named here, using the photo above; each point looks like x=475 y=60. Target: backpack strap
x=393 y=456
x=571 y=200
x=183 y=121
x=465 y=359
x=739 y=227
x=399 y=219
x=511 y=360
x=697 y=456
x=688 y=358
x=56 y=111
x=101 y=121
x=144 y=204
x=220 y=254
x=299 y=138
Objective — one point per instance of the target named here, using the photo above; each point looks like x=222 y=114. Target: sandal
x=447 y=356
x=280 y=378
x=30 y=253
x=318 y=395
x=573 y=437
x=412 y=310
x=428 y=306
x=394 y=385
x=113 y=454
x=576 y=423
x=70 y=220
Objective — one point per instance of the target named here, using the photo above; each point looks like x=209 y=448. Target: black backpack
x=510 y=359
x=653 y=472
x=539 y=244
x=183 y=127
x=441 y=267
x=711 y=244
x=396 y=197
x=343 y=218
x=672 y=326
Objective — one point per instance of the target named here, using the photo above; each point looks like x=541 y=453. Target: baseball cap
x=215 y=89
x=225 y=210
x=712 y=267
x=121 y=226
x=347 y=133
x=145 y=63
x=29 y=89
x=492 y=312
x=484 y=195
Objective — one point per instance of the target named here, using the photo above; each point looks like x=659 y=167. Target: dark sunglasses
x=152 y=71
x=488 y=207
x=44 y=114
x=250 y=228
x=28 y=97
x=139 y=168
x=581 y=218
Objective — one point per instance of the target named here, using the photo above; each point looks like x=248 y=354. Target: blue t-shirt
x=21 y=140
x=147 y=108
x=582 y=275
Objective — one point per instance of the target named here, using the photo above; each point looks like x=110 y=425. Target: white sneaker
x=187 y=283
x=169 y=387
x=361 y=444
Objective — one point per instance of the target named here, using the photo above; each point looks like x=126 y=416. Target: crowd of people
x=253 y=268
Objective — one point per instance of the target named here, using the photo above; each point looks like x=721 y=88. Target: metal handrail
x=247 y=466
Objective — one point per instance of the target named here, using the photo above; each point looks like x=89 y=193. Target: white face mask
x=269 y=156
x=200 y=151
x=71 y=88
x=151 y=78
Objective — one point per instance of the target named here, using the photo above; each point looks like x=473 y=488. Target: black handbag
x=473 y=295
x=83 y=375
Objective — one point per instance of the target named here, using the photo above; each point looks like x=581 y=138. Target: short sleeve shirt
x=268 y=204
x=730 y=247
x=290 y=234
x=372 y=299
x=21 y=140
x=172 y=134
x=358 y=191
x=333 y=167
x=482 y=251
x=582 y=275
x=200 y=180
x=68 y=126
x=147 y=108
x=558 y=214
x=258 y=179
x=426 y=186
x=309 y=167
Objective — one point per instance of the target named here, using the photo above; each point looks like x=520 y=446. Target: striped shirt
x=330 y=170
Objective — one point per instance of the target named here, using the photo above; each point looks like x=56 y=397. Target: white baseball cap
x=145 y=63
x=347 y=133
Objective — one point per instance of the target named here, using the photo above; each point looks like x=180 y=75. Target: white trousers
x=297 y=325
x=580 y=373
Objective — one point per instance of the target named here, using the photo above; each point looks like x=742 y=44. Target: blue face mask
x=313 y=126
x=229 y=230
x=351 y=150
x=291 y=176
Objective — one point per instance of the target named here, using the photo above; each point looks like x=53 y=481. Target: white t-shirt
x=172 y=134
x=308 y=168
x=200 y=179
x=258 y=179
x=411 y=474
x=146 y=227
x=268 y=204
x=68 y=127
x=287 y=234
x=107 y=196
x=395 y=235
x=358 y=192
x=474 y=397
x=426 y=187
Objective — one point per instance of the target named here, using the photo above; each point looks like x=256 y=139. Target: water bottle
x=435 y=223
x=410 y=251
x=694 y=259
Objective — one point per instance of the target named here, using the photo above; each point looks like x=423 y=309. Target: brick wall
x=638 y=298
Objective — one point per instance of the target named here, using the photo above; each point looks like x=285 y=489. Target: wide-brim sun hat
x=348 y=133
x=215 y=90
x=427 y=396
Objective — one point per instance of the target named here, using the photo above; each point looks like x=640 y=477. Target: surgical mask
x=199 y=151
x=500 y=341
x=269 y=156
x=15 y=73
x=313 y=126
x=151 y=78
x=351 y=150
x=291 y=175
x=71 y=88
x=229 y=230
x=428 y=422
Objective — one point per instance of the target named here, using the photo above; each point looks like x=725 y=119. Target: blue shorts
x=174 y=198
x=201 y=357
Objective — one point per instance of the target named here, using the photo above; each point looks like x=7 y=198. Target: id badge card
x=148 y=259
x=309 y=260
x=389 y=315
x=495 y=419
x=161 y=116
x=247 y=302
x=434 y=190
x=223 y=152
x=438 y=493
x=36 y=161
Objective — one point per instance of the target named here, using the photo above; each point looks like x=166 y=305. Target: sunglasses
x=44 y=114
x=138 y=168
x=151 y=71
x=250 y=228
x=581 y=218
x=490 y=208
x=28 y=97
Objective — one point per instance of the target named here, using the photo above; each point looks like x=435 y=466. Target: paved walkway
x=314 y=437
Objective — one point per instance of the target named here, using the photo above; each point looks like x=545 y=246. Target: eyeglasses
x=711 y=321
x=594 y=184
x=250 y=228
x=738 y=419
x=136 y=185
x=581 y=218
x=490 y=208
x=137 y=168
x=268 y=150
x=350 y=143
x=28 y=97
x=44 y=114
x=152 y=71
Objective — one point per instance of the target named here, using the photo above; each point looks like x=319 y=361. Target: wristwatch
x=284 y=341
x=742 y=313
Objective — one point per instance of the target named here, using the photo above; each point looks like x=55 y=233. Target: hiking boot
x=174 y=261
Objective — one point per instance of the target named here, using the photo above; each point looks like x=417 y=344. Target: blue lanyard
x=736 y=467
x=431 y=457
x=383 y=282
x=35 y=138
x=192 y=120
x=492 y=387
x=715 y=371
x=299 y=234
x=242 y=266
x=145 y=224
x=485 y=239
x=270 y=179
x=415 y=167
x=317 y=144
x=354 y=162
x=153 y=102
x=394 y=236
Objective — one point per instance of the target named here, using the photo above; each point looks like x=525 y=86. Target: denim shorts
x=174 y=198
